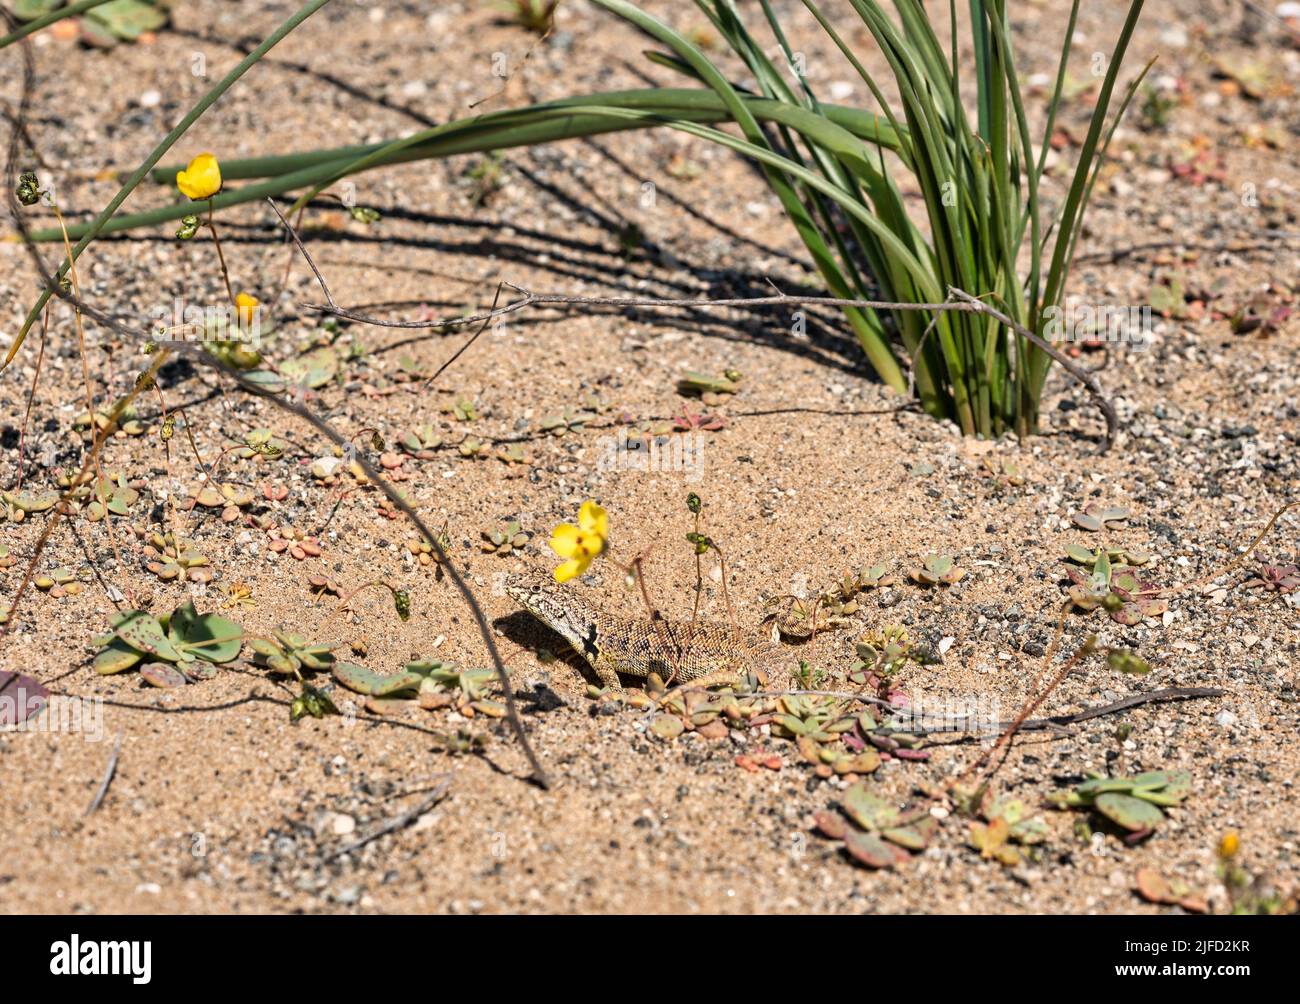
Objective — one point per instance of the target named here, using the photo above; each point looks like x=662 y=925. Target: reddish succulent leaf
x=869 y=849
x=21 y=697
x=831 y=824
x=1128 y=615
x=1155 y=888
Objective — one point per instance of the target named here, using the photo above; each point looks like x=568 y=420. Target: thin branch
x=109 y=772
x=293 y=234
x=398 y=822
x=959 y=302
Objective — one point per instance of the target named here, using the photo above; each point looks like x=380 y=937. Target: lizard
x=704 y=654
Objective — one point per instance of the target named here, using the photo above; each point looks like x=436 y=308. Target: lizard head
x=558 y=607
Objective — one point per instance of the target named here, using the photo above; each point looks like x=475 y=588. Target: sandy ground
x=220 y=804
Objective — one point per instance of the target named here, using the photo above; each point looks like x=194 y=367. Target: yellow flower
x=245 y=305
x=580 y=544
x=1229 y=844
x=201 y=179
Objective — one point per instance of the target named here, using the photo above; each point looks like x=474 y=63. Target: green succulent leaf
x=1134 y=814
x=357 y=678
x=143 y=632
x=116 y=656
x=867 y=809
x=213 y=638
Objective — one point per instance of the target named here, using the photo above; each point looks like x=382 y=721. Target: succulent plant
x=173 y=558
x=18 y=505
x=109 y=495
x=335 y=470
x=323 y=584
x=388 y=509
x=1275 y=578
x=512 y=454
x=58 y=582
x=471 y=447
x=421 y=442
x=689 y=421
x=288 y=654
x=936 y=569
x=866 y=578
x=1116 y=555
x=185 y=637
x=462 y=409
x=1003 y=472
x=122 y=21
x=1007 y=822
x=126 y=423
x=1127 y=598
x=882 y=656
x=712 y=390
x=641 y=434
x=313 y=369
x=1096 y=517
x=569 y=420
x=423 y=551
x=1155 y=888
x=112 y=497
x=819 y=718
x=294 y=541
x=506 y=541
x=230 y=499
x=261 y=442
x=432 y=683
x=1132 y=803
x=710 y=713
x=876 y=833
x=798 y=617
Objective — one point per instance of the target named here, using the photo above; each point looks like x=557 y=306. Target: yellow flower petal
x=571 y=569
x=245 y=305
x=565 y=539
x=201 y=179
x=594 y=519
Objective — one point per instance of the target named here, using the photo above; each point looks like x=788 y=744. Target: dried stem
x=31 y=396
x=96 y=442
x=221 y=257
